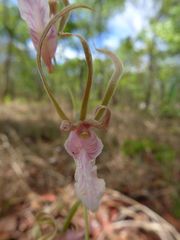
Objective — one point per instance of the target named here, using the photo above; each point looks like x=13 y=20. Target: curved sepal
x=113 y=80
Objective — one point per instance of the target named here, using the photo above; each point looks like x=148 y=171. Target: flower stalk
x=86 y=220
x=70 y=216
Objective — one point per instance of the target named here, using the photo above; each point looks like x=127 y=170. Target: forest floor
x=140 y=160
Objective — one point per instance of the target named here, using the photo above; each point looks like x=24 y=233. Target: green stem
x=86 y=223
x=70 y=215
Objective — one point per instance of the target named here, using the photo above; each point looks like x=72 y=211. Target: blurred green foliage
x=151 y=59
x=141 y=147
x=151 y=80
x=176 y=207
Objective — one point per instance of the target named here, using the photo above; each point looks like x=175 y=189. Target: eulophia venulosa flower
x=84 y=146
x=36 y=13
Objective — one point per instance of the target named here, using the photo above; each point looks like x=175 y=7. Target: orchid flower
x=82 y=144
x=37 y=14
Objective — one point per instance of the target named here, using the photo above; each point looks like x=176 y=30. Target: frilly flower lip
x=84 y=146
x=36 y=13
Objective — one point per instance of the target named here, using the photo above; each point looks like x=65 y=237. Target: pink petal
x=35 y=13
x=89 y=188
x=75 y=144
x=84 y=146
x=49 y=45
